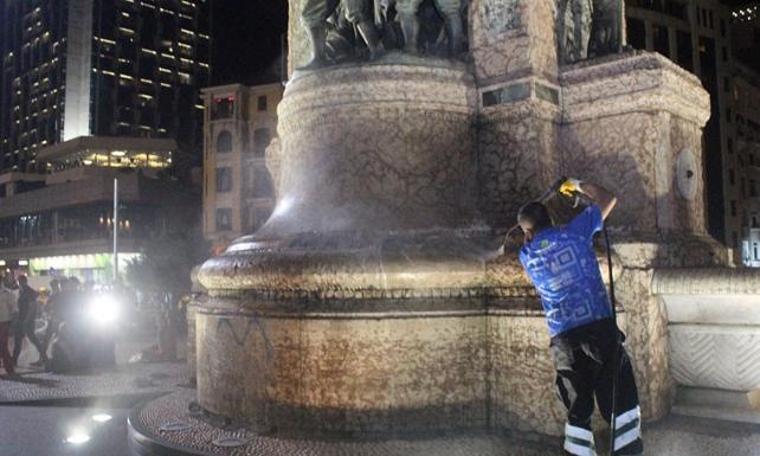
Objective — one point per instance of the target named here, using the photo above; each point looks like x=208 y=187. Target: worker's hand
x=570 y=187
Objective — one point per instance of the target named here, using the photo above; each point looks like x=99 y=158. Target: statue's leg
x=616 y=29
x=317 y=37
x=357 y=13
x=410 y=25
x=451 y=10
x=562 y=48
x=371 y=36
x=581 y=10
x=313 y=16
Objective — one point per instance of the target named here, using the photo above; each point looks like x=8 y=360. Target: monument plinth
x=374 y=299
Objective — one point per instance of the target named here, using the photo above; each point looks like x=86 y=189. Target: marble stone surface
x=513 y=38
x=396 y=142
x=716 y=356
x=345 y=372
x=632 y=117
x=714 y=326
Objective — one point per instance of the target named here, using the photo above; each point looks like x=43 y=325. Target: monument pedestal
x=373 y=299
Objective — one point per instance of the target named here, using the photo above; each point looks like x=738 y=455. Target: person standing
x=7 y=313
x=562 y=265
x=25 y=323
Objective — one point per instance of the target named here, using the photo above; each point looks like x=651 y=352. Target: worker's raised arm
x=596 y=193
x=599 y=196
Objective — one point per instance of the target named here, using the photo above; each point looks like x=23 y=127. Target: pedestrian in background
x=25 y=323
x=8 y=312
x=52 y=312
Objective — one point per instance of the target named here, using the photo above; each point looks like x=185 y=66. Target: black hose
x=616 y=352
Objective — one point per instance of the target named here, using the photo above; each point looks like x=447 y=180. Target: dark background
x=247 y=38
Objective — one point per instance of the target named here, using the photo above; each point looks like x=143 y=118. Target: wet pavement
x=43 y=431
x=40 y=411
x=131 y=379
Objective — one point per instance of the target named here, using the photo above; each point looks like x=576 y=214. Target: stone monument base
x=369 y=304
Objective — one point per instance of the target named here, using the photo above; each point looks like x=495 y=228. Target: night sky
x=246 y=43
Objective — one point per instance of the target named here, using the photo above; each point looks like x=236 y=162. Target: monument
x=375 y=299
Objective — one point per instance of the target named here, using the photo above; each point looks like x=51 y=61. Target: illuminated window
x=222 y=108
x=224 y=142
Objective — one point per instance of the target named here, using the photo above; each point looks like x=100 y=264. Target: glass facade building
x=71 y=68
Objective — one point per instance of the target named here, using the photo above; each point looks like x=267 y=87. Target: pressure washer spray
x=551 y=192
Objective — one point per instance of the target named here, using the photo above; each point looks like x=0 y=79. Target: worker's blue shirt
x=563 y=267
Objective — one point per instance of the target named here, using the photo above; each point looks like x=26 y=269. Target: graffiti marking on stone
x=240 y=339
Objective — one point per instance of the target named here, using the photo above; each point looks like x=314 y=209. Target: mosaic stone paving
x=169 y=423
x=132 y=379
x=196 y=436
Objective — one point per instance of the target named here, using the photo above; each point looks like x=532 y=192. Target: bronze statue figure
x=450 y=10
x=339 y=29
x=359 y=13
x=574 y=19
x=607 y=28
x=589 y=28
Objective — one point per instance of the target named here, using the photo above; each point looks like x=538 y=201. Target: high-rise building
x=238 y=189
x=701 y=36
x=72 y=68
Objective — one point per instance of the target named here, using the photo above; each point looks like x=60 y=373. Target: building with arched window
x=238 y=189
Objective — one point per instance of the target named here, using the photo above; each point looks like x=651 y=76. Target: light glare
x=78 y=438
x=104 y=309
x=101 y=417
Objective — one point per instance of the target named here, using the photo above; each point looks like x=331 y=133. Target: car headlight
x=103 y=309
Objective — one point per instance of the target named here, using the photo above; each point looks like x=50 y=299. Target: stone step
x=717 y=404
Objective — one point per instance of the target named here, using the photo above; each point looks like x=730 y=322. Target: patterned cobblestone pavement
x=130 y=379
x=169 y=422
x=198 y=436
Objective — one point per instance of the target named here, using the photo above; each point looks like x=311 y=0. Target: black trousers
x=23 y=329
x=583 y=358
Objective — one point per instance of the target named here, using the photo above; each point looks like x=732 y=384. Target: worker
x=563 y=267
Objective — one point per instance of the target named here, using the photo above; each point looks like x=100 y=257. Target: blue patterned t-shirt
x=561 y=263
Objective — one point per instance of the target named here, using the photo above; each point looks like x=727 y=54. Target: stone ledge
x=644 y=82
x=706 y=281
x=411 y=86
x=479 y=303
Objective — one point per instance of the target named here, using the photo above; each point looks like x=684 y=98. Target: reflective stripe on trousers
x=579 y=441
x=627 y=427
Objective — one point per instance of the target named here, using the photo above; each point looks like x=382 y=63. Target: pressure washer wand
x=616 y=353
